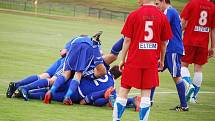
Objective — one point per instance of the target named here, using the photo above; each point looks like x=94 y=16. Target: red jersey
x=147 y=27
x=200 y=17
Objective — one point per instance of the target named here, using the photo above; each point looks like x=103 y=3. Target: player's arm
x=183 y=24
x=212 y=49
x=125 y=47
x=162 y=55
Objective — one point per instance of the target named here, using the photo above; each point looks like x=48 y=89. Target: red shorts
x=196 y=55
x=139 y=78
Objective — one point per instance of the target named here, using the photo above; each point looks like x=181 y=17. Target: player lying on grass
x=74 y=84
x=108 y=59
x=13 y=86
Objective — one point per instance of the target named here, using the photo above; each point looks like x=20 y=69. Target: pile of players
x=152 y=42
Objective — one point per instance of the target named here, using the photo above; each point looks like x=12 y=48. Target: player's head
x=161 y=4
x=115 y=71
x=213 y=1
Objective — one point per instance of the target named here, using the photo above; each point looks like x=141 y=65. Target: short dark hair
x=115 y=71
x=213 y=1
x=166 y=1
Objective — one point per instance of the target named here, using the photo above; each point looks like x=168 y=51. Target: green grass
x=121 y=5
x=29 y=44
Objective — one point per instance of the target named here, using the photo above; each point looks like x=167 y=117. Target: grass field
x=29 y=44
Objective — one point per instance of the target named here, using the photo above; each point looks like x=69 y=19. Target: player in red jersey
x=145 y=42
x=197 y=28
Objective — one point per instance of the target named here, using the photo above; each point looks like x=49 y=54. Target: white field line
x=162 y=92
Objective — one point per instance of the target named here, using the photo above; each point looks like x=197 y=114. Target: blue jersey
x=175 y=44
x=88 y=86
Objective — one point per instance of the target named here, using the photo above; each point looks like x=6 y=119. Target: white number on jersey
x=105 y=79
x=203 y=18
x=148 y=29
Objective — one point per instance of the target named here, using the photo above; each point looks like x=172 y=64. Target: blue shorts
x=53 y=68
x=79 y=57
x=173 y=64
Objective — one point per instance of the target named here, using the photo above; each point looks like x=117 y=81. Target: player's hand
x=211 y=52
x=121 y=65
x=83 y=102
x=160 y=66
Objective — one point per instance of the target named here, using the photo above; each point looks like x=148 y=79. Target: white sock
x=119 y=107
x=197 y=79
x=185 y=72
x=144 y=108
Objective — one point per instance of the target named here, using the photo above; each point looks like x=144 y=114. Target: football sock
x=59 y=81
x=129 y=101
x=197 y=81
x=72 y=87
x=119 y=108
x=90 y=98
x=117 y=47
x=186 y=74
x=27 y=80
x=100 y=102
x=152 y=93
x=39 y=90
x=37 y=84
x=181 y=92
x=144 y=108
x=37 y=95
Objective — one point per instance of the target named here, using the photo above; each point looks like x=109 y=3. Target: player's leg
x=120 y=103
x=42 y=83
x=152 y=95
x=59 y=81
x=145 y=105
x=72 y=88
x=197 y=81
x=38 y=93
x=15 y=85
x=200 y=59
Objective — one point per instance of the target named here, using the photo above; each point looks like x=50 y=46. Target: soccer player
x=145 y=41
x=196 y=39
x=175 y=50
x=13 y=86
x=88 y=75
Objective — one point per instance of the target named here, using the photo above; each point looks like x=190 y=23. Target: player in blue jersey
x=88 y=84
x=108 y=59
x=82 y=52
x=13 y=86
x=174 y=51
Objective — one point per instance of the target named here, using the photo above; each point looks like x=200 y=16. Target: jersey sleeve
x=186 y=11
x=166 y=32
x=127 y=30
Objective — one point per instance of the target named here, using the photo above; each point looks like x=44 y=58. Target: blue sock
x=27 y=80
x=39 y=90
x=196 y=90
x=187 y=79
x=37 y=84
x=144 y=108
x=152 y=93
x=59 y=81
x=37 y=95
x=117 y=47
x=100 y=102
x=72 y=87
x=181 y=93
x=129 y=103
